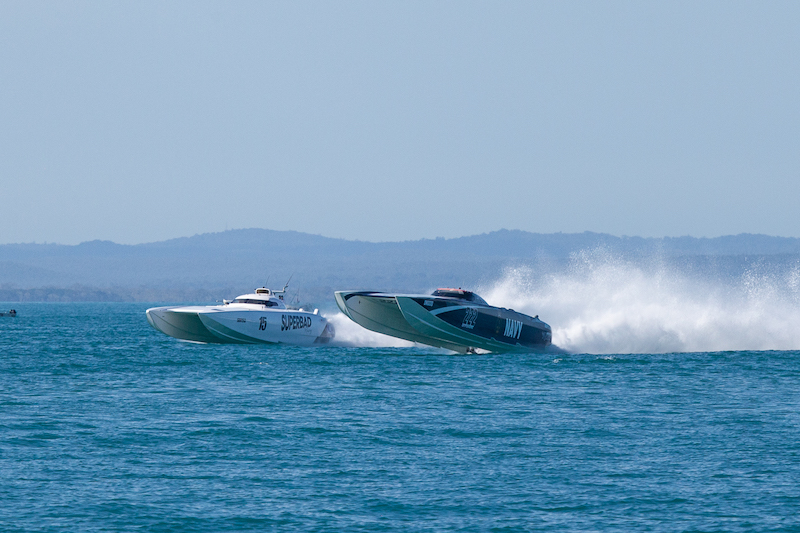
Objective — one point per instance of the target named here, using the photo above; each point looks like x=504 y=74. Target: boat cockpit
x=262 y=296
x=461 y=294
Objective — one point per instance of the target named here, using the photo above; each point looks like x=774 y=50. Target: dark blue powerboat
x=455 y=319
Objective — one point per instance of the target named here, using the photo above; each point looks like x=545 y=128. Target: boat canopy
x=259 y=301
x=461 y=294
x=262 y=296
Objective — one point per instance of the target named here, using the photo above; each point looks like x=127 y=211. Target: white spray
x=602 y=304
x=348 y=333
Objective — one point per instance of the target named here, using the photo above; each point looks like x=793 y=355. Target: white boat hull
x=217 y=324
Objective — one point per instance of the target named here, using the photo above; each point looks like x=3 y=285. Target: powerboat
x=12 y=312
x=455 y=319
x=260 y=317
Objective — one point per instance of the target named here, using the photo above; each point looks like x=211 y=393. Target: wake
x=350 y=334
x=601 y=304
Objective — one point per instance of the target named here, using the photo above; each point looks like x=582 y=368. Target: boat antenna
x=287 y=282
x=267 y=284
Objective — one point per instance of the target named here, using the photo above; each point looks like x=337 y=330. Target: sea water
x=109 y=425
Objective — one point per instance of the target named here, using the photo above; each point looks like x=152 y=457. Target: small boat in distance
x=12 y=312
x=455 y=319
x=260 y=317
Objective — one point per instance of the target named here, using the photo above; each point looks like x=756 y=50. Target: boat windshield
x=460 y=294
x=266 y=303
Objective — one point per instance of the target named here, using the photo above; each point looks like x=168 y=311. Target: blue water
x=108 y=425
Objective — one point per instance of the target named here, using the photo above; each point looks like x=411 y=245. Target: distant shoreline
x=220 y=265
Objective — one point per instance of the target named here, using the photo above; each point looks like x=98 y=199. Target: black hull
x=447 y=322
x=495 y=324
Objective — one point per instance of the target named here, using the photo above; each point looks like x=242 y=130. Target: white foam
x=605 y=305
x=348 y=333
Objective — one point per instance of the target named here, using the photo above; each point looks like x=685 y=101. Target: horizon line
x=438 y=238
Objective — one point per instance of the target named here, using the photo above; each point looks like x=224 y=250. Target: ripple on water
x=107 y=424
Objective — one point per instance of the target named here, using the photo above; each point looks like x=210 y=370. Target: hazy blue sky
x=142 y=121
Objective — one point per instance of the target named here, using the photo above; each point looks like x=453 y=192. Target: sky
x=386 y=121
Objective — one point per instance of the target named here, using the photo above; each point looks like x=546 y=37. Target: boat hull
x=216 y=324
x=182 y=323
x=445 y=322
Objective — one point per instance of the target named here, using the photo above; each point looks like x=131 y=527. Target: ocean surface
x=109 y=425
